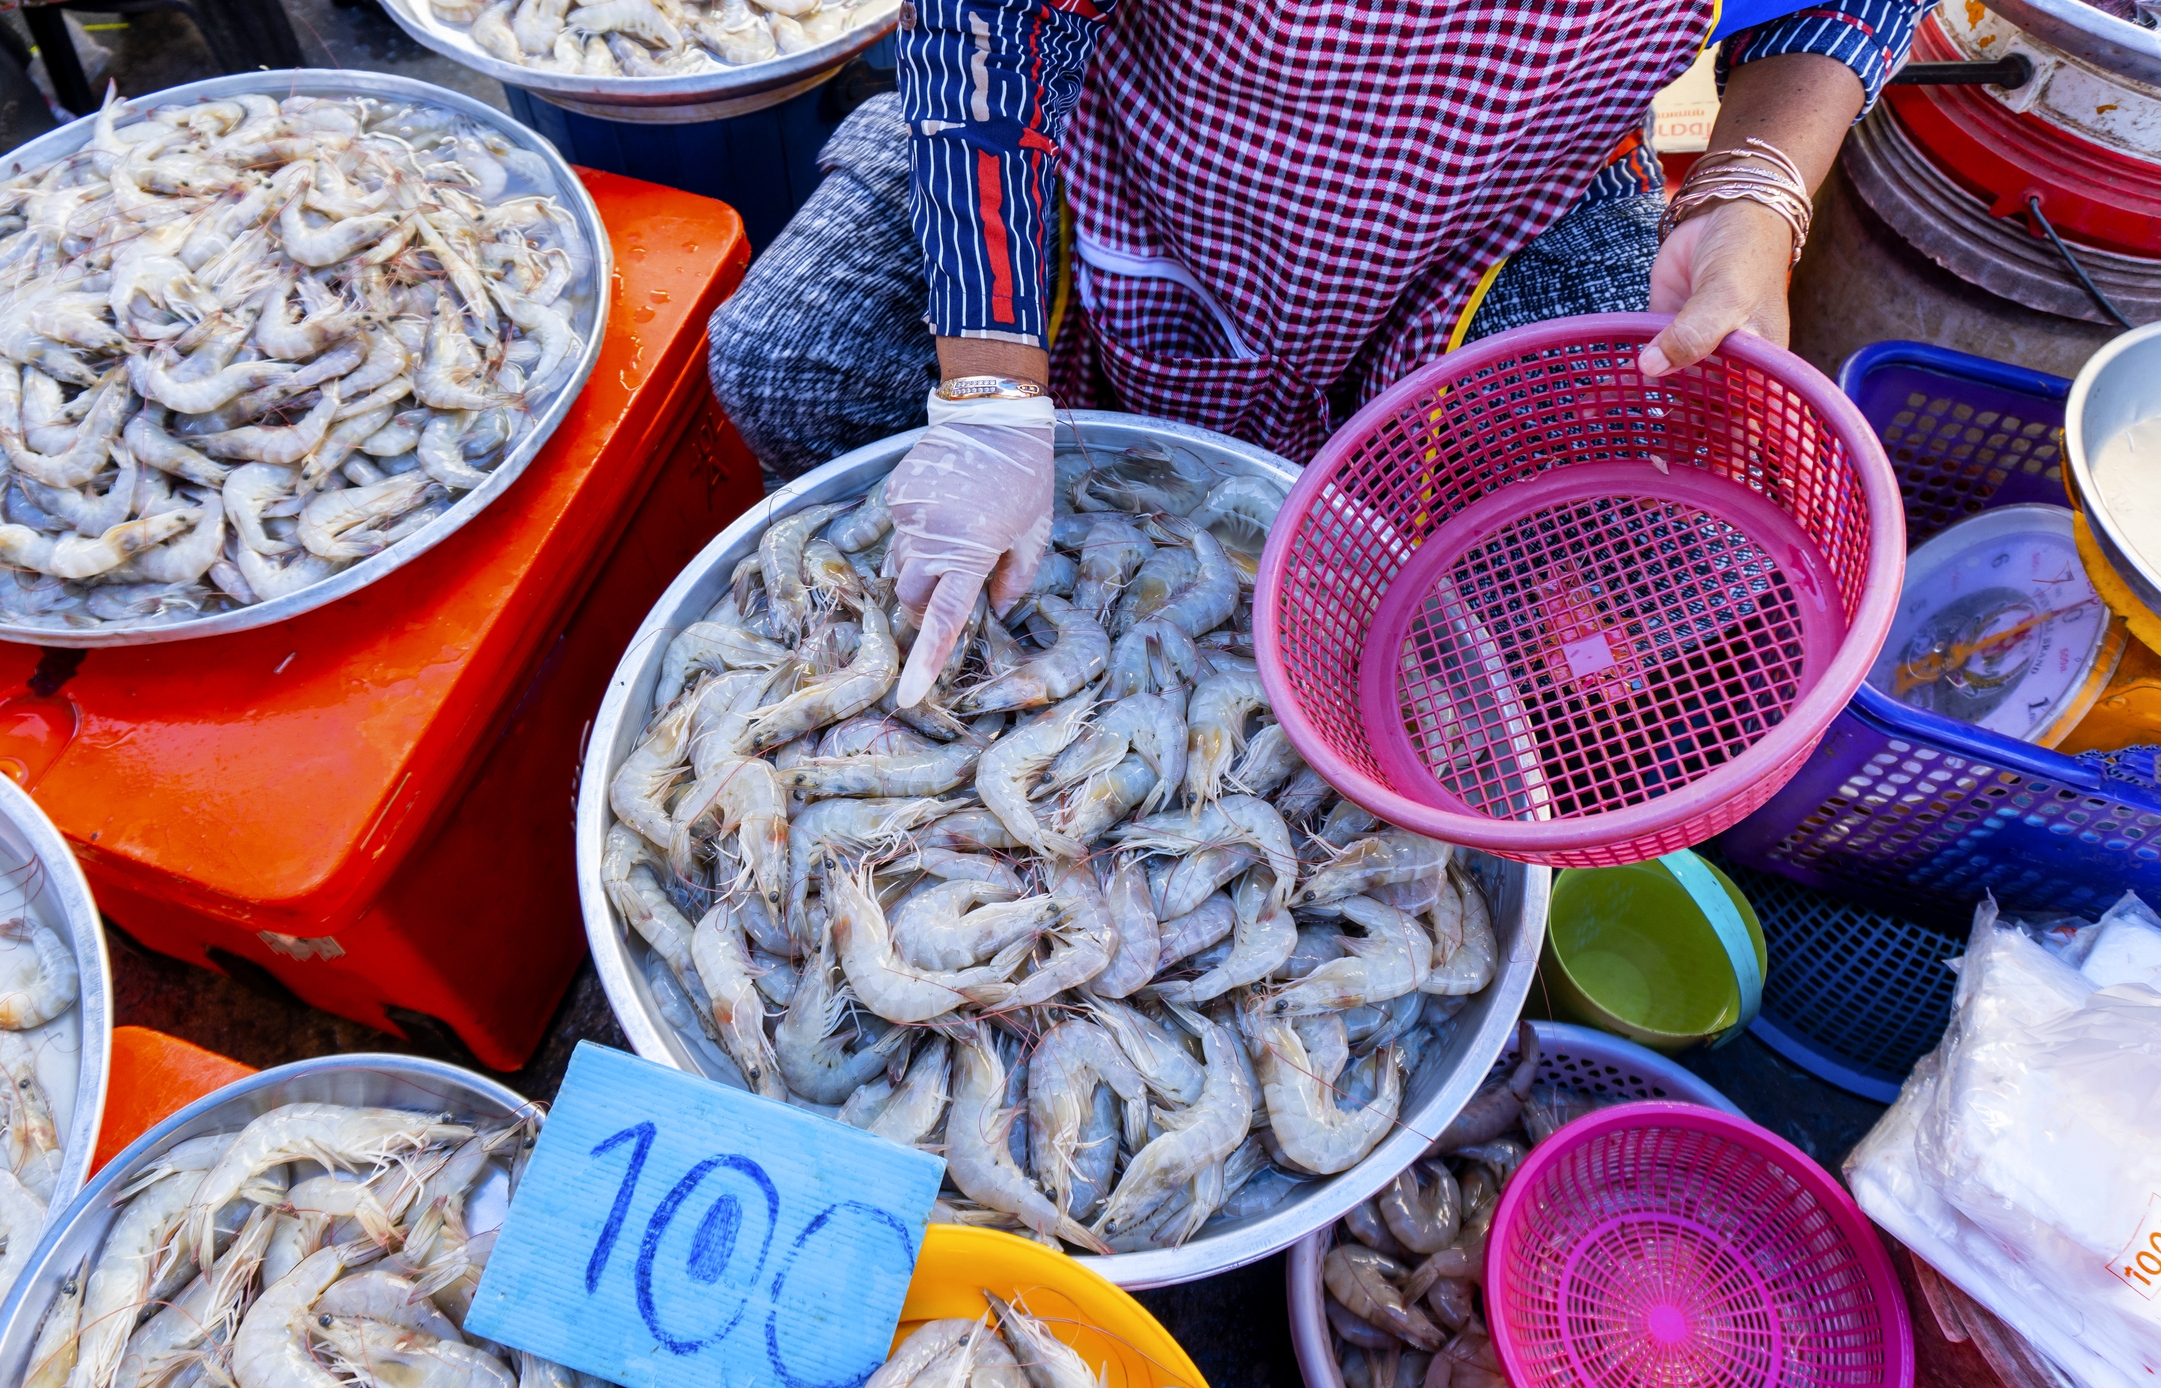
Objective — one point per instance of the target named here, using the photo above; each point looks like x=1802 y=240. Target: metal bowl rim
x=123 y=1165
x=1252 y=1241
x=94 y=969
x=57 y=144
x=2143 y=579
x=689 y=89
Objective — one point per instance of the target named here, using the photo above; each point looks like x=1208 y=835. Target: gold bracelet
x=1727 y=175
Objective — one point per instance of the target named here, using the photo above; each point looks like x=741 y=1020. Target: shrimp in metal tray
x=1215 y=723
x=1064 y=1072
x=271 y=1349
x=1302 y=1111
x=1468 y=965
x=640 y=787
x=1192 y=1139
x=910 y=1112
x=840 y=695
x=811 y=1044
x=953 y=925
x=1006 y=771
x=932 y=769
x=53 y=983
x=978 y=1156
x=1080 y=946
x=1079 y=655
x=1391 y=959
x=52 y=1354
x=1111 y=554
x=887 y=983
x=1133 y=914
x=780 y=563
x=1394 y=856
x=31 y=1141
x=718 y=953
x=741 y=796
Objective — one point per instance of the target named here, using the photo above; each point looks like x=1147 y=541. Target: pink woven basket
x=1662 y=1245
x=1530 y=601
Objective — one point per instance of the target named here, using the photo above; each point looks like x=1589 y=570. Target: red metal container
x=372 y=801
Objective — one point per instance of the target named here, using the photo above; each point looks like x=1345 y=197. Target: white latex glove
x=971 y=502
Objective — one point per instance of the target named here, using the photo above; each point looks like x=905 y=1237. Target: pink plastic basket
x=1530 y=601
x=1670 y=1245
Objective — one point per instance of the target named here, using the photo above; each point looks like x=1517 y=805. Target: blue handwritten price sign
x=671 y=1232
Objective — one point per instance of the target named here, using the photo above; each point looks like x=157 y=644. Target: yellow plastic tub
x=1111 y=1330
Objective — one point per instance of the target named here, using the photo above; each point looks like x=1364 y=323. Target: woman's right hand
x=971 y=503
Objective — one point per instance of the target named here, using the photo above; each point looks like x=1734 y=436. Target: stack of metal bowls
x=1452 y=1070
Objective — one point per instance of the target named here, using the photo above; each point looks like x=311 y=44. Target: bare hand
x=1721 y=270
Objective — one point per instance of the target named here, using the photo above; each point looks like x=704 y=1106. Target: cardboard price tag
x=670 y=1231
x=2138 y=1265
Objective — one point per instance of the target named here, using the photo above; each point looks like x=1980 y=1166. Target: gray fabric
x=1597 y=259
x=824 y=349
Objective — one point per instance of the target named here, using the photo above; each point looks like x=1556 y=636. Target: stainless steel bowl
x=390 y=1081
x=1450 y=1074
x=40 y=877
x=2119 y=386
x=718 y=93
x=591 y=321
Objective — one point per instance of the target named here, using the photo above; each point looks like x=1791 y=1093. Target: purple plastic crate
x=1906 y=810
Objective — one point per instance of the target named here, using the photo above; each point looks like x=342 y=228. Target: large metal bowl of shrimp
x=663 y=61
x=220 y=1238
x=266 y=338
x=56 y=1026
x=1080 y=921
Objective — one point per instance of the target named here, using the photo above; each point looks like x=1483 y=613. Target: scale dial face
x=1998 y=625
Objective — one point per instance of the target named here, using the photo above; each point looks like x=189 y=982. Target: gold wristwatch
x=989 y=388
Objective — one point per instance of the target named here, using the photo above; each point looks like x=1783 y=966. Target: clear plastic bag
x=2023 y=1158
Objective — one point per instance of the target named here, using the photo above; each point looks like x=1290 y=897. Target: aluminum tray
x=1451 y=1073
x=591 y=322
x=715 y=94
x=392 y=1081
x=39 y=877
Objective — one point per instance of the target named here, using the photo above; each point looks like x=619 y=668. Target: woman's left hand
x=1722 y=270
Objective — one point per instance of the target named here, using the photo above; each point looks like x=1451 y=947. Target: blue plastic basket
x=1852 y=996
x=1911 y=811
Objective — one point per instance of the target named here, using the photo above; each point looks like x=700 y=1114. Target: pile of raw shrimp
x=246 y=343
x=652 y=38
x=1082 y=920
x=30 y=1151
x=318 y=1240
x=1401 y=1284
x=1019 y=1352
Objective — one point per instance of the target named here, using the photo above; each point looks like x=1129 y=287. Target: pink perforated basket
x=1661 y=1245
x=1530 y=601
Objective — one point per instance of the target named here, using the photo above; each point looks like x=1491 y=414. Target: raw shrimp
x=1133 y=915
x=955 y=924
x=840 y=695
x=1215 y=722
x=22 y=1218
x=1050 y=1361
x=1170 y=1070
x=282 y=445
x=51 y=989
x=1074 y=1058
x=909 y=1113
x=718 y=954
x=120 y=1278
x=1423 y=1216
x=740 y=796
x=1110 y=555
x=343 y=524
x=1395 y=856
x=886 y=982
x=1004 y=774
x=813 y=1050
x=930 y=770
x=32 y=1142
x=1081 y=945
x=980 y=1160
x=1194 y=1137
x=52 y=1356
x=1208 y=599
x=1302 y=1112
x=1469 y=966
x=1392 y=959
x=1364 y=1283
x=339 y=1137
x=780 y=557
x=1081 y=652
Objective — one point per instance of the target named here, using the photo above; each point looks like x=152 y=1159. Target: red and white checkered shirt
x=1339 y=175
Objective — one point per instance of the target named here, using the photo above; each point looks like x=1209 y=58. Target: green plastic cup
x=1645 y=951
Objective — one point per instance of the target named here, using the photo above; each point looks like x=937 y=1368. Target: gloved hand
x=971 y=502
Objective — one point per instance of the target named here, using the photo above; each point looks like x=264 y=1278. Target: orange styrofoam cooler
x=373 y=800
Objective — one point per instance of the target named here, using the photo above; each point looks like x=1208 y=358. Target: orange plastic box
x=373 y=800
